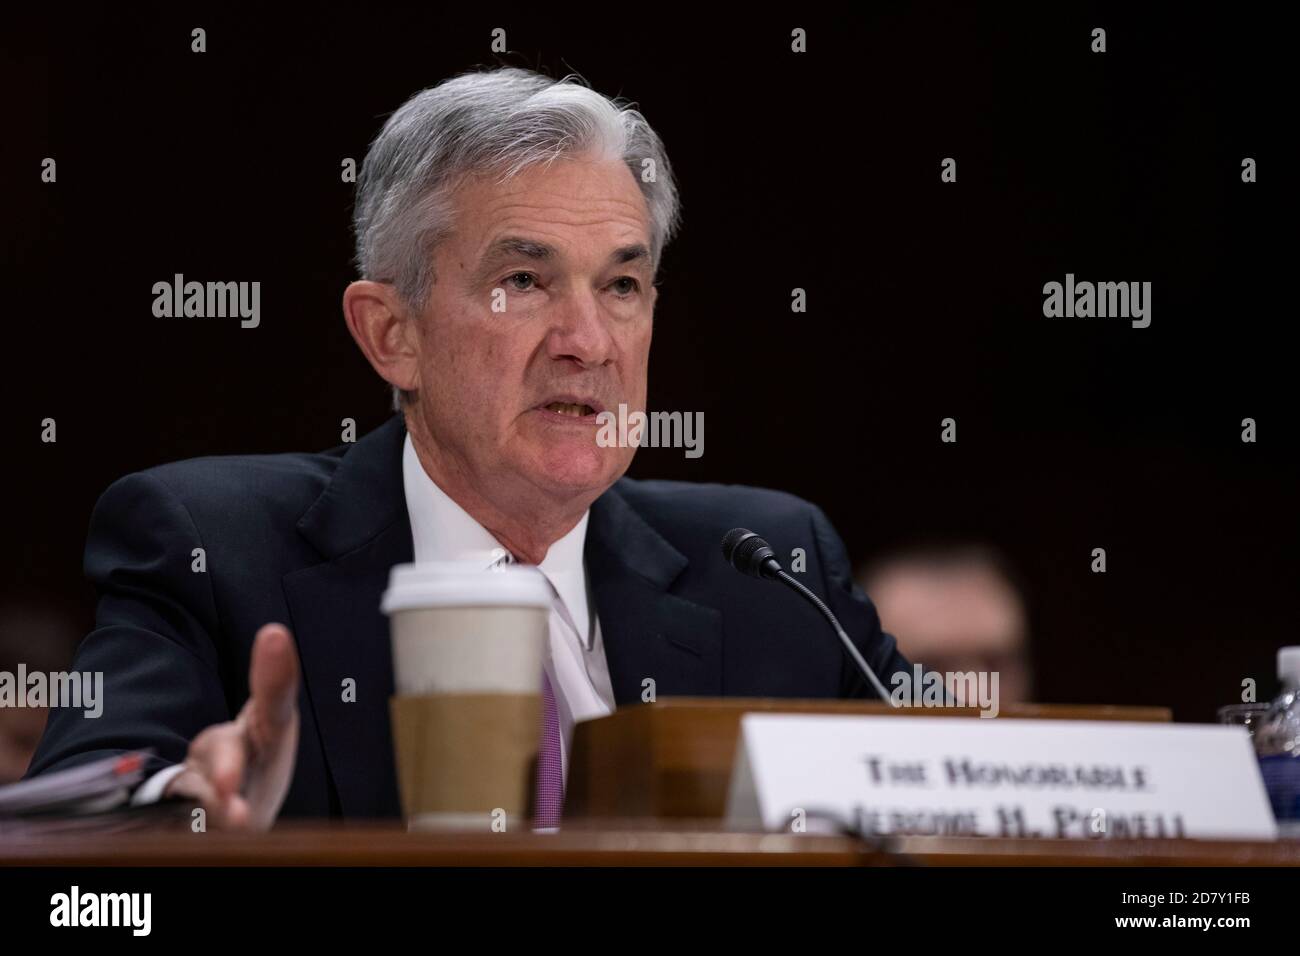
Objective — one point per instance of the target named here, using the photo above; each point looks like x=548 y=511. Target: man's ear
x=384 y=329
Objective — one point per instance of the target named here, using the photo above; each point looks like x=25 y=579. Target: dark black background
x=819 y=171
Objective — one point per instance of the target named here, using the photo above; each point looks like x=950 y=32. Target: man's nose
x=580 y=331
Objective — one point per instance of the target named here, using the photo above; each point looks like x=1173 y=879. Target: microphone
x=749 y=554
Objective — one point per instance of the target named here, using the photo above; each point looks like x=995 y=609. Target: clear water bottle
x=1277 y=741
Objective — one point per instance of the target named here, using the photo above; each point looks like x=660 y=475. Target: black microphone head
x=749 y=554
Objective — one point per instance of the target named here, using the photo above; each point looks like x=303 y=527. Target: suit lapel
x=648 y=632
x=360 y=526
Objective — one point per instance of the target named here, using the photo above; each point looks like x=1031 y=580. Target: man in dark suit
x=508 y=233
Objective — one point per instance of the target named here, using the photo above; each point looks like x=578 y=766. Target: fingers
x=214 y=774
x=220 y=754
x=226 y=814
x=231 y=813
x=239 y=815
x=218 y=767
x=192 y=784
x=273 y=686
x=240 y=771
x=271 y=720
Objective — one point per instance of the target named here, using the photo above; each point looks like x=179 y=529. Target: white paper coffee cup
x=468 y=646
x=460 y=629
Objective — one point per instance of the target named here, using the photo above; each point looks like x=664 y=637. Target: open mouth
x=570 y=409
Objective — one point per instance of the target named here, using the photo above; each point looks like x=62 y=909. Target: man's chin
x=578 y=473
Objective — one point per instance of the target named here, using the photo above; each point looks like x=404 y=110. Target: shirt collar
x=441 y=530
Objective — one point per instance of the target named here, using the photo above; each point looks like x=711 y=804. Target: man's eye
x=625 y=285
x=522 y=281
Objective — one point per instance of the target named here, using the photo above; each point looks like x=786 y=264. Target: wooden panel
x=673 y=758
x=625 y=843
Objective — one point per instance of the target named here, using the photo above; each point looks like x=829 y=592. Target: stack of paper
x=90 y=796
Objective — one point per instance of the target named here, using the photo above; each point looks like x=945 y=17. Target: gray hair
x=498 y=121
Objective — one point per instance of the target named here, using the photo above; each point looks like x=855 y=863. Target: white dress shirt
x=442 y=530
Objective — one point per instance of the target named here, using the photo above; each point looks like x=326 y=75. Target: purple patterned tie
x=550 y=770
x=549 y=797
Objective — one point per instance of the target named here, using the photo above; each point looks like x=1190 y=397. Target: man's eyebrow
x=633 y=253
x=510 y=247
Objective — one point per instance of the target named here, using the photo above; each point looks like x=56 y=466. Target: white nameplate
x=954 y=776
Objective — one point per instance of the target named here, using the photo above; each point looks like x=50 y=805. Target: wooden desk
x=673 y=759
x=626 y=843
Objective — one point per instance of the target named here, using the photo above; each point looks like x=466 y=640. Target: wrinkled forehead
x=570 y=206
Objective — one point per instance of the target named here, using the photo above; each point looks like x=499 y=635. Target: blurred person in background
x=955 y=608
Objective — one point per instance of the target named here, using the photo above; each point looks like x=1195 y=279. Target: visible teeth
x=575 y=411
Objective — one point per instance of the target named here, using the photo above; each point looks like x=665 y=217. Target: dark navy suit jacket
x=308 y=540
